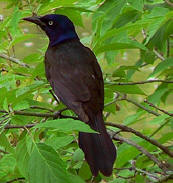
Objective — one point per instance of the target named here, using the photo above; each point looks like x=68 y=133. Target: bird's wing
x=75 y=77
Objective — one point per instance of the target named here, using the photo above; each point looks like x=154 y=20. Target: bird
x=76 y=79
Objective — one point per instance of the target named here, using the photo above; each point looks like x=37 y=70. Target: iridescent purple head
x=58 y=28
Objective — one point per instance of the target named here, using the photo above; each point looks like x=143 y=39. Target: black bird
x=76 y=78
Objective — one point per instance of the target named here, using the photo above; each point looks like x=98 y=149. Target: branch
x=19 y=126
x=158 y=55
x=152 y=105
x=133 y=102
x=159 y=128
x=165 y=178
x=39 y=107
x=14 y=60
x=141 y=149
x=54 y=96
x=141 y=82
x=54 y=115
x=141 y=106
x=37 y=114
x=16 y=179
x=137 y=133
x=2 y=151
x=169 y=3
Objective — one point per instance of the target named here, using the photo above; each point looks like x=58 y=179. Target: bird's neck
x=59 y=37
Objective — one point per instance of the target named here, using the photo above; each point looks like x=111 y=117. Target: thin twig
x=147 y=173
x=159 y=128
x=38 y=114
x=140 y=82
x=16 y=179
x=14 y=60
x=169 y=3
x=141 y=106
x=152 y=105
x=165 y=178
x=19 y=126
x=141 y=149
x=43 y=108
x=54 y=96
x=159 y=55
x=2 y=151
x=168 y=47
x=137 y=133
x=135 y=103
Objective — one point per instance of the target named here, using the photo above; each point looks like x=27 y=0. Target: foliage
x=132 y=40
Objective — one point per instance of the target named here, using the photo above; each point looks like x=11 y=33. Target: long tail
x=99 y=150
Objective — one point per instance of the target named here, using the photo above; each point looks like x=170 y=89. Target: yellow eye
x=50 y=22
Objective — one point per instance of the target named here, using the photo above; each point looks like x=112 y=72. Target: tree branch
x=19 y=126
x=122 y=127
x=39 y=107
x=169 y=3
x=165 y=178
x=152 y=105
x=141 y=149
x=137 y=133
x=2 y=151
x=159 y=128
x=140 y=82
x=14 y=60
x=158 y=55
x=16 y=179
x=54 y=96
x=141 y=106
x=38 y=114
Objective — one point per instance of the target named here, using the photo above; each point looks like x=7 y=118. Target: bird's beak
x=36 y=20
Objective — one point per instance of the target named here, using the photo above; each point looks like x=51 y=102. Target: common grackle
x=76 y=78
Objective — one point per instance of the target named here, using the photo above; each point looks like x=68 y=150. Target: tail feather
x=99 y=150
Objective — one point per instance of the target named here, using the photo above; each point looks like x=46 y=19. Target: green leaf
x=157 y=12
x=5 y=105
x=85 y=171
x=4 y=142
x=130 y=15
x=14 y=21
x=129 y=89
x=45 y=166
x=159 y=119
x=29 y=89
x=20 y=39
x=158 y=93
x=22 y=156
x=129 y=44
x=32 y=58
x=58 y=142
x=7 y=166
x=162 y=66
x=166 y=137
x=159 y=38
x=148 y=56
x=131 y=119
x=71 y=12
x=125 y=153
x=21 y=105
x=136 y=4
x=47 y=7
x=66 y=125
x=78 y=155
x=114 y=8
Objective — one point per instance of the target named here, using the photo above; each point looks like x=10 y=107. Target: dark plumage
x=76 y=78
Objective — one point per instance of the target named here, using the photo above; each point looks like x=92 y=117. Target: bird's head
x=58 y=28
